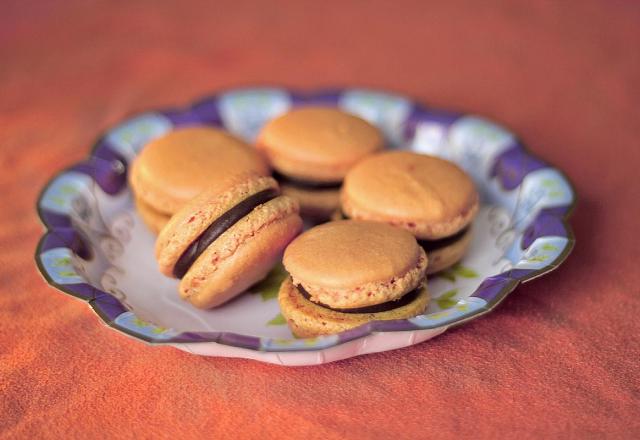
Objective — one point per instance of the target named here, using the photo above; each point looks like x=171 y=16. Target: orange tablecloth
x=559 y=359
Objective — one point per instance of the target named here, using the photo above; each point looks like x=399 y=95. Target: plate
x=95 y=247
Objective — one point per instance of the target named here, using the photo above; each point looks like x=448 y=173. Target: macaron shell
x=242 y=255
x=176 y=167
x=443 y=258
x=348 y=263
x=317 y=205
x=337 y=215
x=429 y=196
x=198 y=214
x=154 y=220
x=306 y=319
x=318 y=143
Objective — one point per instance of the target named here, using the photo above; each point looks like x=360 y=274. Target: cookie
x=316 y=205
x=312 y=148
x=428 y=196
x=155 y=220
x=227 y=238
x=176 y=167
x=447 y=251
x=345 y=273
x=307 y=319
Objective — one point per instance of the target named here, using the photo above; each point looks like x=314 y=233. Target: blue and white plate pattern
x=96 y=248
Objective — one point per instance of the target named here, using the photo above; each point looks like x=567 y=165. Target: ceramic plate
x=96 y=248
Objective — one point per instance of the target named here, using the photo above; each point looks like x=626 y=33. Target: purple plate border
x=108 y=169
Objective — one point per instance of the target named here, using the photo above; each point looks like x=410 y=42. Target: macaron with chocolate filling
x=227 y=238
x=432 y=198
x=311 y=149
x=346 y=273
x=176 y=167
x=155 y=220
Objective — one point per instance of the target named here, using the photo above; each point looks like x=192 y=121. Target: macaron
x=311 y=149
x=346 y=273
x=155 y=220
x=432 y=198
x=227 y=238
x=174 y=168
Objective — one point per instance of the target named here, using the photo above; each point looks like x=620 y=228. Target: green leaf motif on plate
x=140 y=323
x=457 y=270
x=58 y=200
x=146 y=128
x=538 y=259
x=284 y=342
x=447 y=299
x=61 y=262
x=68 y=189
x=127 y=136
x=155 y=329
x=277 y=320
x=447 y=275
x=439 y=315
x=464 y=272
x=269 y=287
x=549 y=183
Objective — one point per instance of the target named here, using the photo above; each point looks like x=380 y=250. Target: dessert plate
x=95 y=247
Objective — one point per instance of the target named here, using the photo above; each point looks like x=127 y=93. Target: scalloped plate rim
x=369 y=328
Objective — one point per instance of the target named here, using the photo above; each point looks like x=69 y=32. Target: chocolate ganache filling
x=218 y=227
x=306 y=184
x=434 y=245
x=376 y=308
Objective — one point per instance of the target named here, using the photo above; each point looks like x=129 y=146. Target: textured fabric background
x=559 y=358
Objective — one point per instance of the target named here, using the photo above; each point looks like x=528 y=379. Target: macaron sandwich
x=176 y=167
x=224 y=223
x=311 y=149
x=430 y=197
x=346 y=273
x=227 y=238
